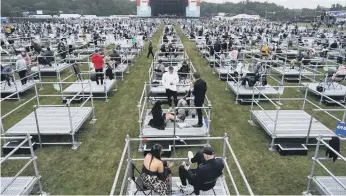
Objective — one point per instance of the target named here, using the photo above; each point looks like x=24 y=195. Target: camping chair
x=329 y=81
x=158 y=74
x=77 y=72
x=209 y=186
x=139 y=181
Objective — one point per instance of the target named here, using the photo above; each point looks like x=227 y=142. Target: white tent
x=245 y=16
x=70 y=16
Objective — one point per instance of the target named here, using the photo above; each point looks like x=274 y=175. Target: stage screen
x=193 y=8
x=168 y=7
x=143 y=8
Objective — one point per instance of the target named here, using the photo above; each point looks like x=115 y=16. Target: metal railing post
x=37 y=125
x=33 y=157
x=314 y=159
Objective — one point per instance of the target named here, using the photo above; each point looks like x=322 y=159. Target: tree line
x=267 y=10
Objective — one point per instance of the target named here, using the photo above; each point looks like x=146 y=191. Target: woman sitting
x=159 y=118
x=156 y=173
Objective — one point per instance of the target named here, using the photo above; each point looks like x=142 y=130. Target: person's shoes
x=198 y=125
x=181 y=187
x=169 y=109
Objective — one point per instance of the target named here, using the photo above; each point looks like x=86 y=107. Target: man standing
x=199 y=91
x=150 y=49
x=170 y=80
x=98 y=62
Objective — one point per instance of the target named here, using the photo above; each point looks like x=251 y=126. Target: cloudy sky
x=293 y=3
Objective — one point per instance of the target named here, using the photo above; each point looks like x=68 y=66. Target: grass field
x=90 y=170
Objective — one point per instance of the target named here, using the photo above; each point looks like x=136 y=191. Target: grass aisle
x=90 y=170
x=267 y=172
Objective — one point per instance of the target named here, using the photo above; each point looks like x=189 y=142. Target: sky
x=293 y=3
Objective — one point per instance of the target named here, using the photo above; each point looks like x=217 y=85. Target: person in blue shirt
x=134 y=41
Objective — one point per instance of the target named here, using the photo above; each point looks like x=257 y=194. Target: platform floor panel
x=290 y=72
x=52 y=121
x=291 y=124
x=338 y=91
x=229 y=70
x=54 y=68
x=242 y=90
x=22 y=185
x=77 y=87
x=121 y=68
x=162 y=90
x=149 y=131
x=5 y=89
x=268 y=61
x=328 y=186
x=77 y=58
x=179 y=58
x=219 y=189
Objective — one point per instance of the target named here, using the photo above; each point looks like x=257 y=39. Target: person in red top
x=98 y=62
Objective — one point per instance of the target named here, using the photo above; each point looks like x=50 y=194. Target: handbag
x=92 y=77
x=320 y=88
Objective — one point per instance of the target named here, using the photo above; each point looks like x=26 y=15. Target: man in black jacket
x=150 y=49
x=204 y=177
x=199 y=91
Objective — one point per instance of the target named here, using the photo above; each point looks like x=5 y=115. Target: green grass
x=91 y=169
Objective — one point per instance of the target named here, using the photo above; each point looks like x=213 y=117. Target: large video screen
x=168 y=7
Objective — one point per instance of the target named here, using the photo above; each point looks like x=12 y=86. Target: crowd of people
x=43 y=43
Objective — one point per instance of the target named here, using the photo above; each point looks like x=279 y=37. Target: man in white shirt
x=170 y=80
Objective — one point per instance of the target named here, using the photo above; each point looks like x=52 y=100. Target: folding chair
x=78 y=72
x=139 y=182
x=158 y=74
x=209 y=186
x=338 y=79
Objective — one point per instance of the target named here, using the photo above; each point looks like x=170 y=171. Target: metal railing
x=317 y=161
x=37 y=105
x=227 y=154
x=30 y=160
x=276 y=102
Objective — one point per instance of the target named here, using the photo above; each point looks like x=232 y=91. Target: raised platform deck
x=52 y=121
x=328 y=186
x=291 y=72
x=247 y=91
x=7 y=90
x=148 y=131
x=22 y=185
x=220 y=188
x=290 y=124
x=95 y=89
x=338 y=91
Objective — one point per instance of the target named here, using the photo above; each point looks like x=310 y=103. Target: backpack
x=320 y=88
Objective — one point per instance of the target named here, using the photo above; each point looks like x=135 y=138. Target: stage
x=168 y=8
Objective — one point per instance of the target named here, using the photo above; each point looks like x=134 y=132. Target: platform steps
x=292 y=79
x=10 y=144
x=286 y=149
x=168 y=147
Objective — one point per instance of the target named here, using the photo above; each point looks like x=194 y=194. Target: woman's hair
x=155 y=152
x=157 y=106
